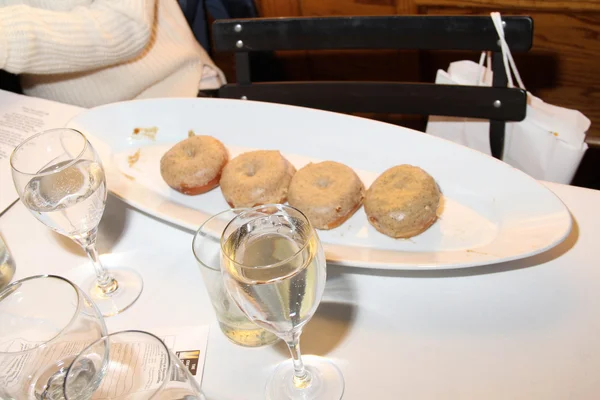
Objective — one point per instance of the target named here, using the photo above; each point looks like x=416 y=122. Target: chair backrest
x=476 y=33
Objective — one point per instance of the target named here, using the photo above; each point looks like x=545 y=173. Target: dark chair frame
x=476 y=33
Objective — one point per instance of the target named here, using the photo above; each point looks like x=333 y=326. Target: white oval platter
x=492 y=212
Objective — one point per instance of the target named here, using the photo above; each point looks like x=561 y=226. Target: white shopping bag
x=548 y=144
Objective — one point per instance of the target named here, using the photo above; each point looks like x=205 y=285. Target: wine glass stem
x=302 y=377
x=106 y=283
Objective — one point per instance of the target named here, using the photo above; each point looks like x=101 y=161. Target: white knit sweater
x=92 y=52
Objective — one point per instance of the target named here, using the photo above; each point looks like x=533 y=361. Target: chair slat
x=475 y=33
x=389 y=97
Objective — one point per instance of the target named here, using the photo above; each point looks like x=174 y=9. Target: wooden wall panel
x=556 y=5
x=279 y=8
x=345 y=7
x=406 y=7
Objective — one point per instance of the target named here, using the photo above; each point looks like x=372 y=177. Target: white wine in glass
x=274 y=268
x=60 y=179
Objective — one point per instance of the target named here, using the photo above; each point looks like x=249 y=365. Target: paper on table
x=20 y=117
x=190 y=348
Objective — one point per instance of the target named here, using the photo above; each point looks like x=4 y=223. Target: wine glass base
x=49 y=383
x=130 y=286
x=327 y=381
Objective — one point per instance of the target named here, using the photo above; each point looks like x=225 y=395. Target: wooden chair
x=498 y=103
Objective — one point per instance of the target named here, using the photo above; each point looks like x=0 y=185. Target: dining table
x=524 y=329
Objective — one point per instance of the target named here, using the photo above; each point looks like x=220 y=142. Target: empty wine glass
x=274 y=268
x=45 y=321
x=130 y=365
x=60 y=179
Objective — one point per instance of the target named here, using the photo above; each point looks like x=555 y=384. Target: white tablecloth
x=528 y=329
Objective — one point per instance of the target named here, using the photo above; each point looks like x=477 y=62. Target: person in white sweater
x=93 y=52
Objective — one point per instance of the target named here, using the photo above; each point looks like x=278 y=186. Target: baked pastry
x=327 y=192
x=403 y=201
x=256 y=178
x=194 y=165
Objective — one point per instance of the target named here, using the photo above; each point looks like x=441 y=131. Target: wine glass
x=274 y=268
x=130 y=365
x=45 y=321
x=60 y=179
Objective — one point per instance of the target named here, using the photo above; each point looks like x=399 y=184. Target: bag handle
x=483 y=71
x=507 y=58
x=506 y=54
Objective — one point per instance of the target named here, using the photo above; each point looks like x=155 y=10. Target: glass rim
x=106 y=338
x=7 y=291
x=211 y=218
x=37 y=135
x=279 y=207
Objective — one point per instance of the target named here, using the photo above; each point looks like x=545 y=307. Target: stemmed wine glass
x=60 y=179
x=274 y=268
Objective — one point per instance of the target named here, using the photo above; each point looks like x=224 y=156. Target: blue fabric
x=196 y=13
